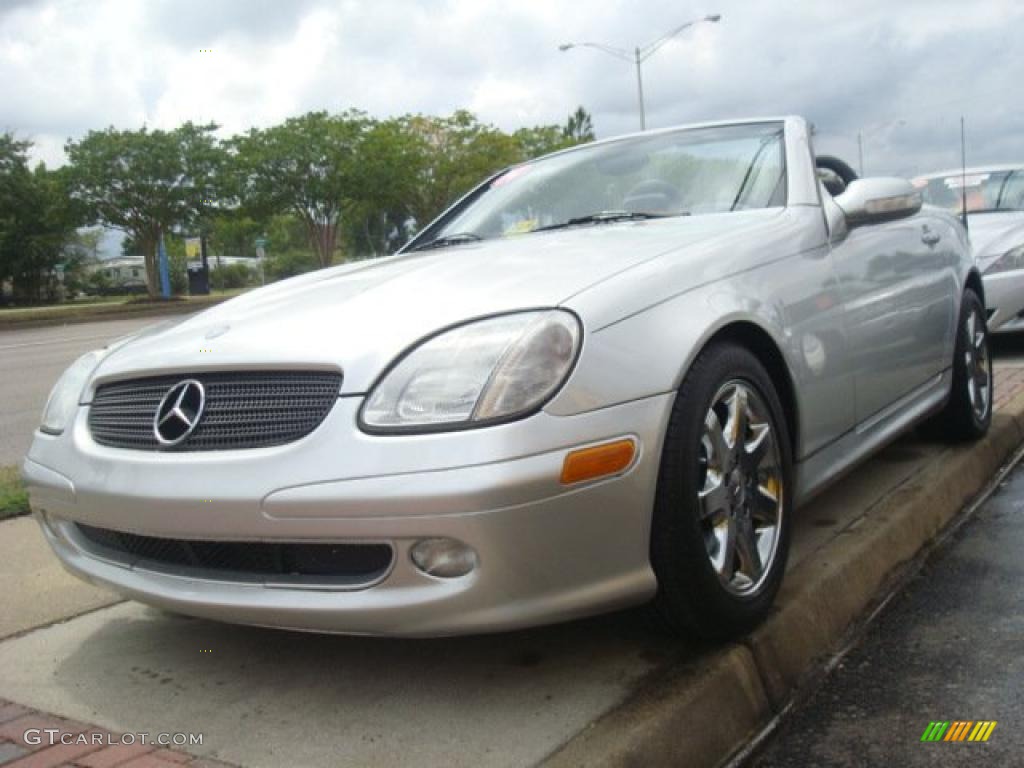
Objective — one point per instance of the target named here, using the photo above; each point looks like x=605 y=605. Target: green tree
x=81 y=251
x=306 y=166
x=88 y=242
x=14 y=176
x=541 y=140
x=146 y=183
x=129 y=247
x=379 y=211
x=36 y=222
x=287 y=251
x=454 y=154
x=451 y=155
x=579 y=128
x=232 y=233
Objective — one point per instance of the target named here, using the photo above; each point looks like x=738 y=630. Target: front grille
x=343 y=564
x=251 y=409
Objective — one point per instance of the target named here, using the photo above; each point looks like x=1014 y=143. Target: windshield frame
x=795 y=157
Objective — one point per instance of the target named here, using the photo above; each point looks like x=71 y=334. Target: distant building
x=124 y=272
x=128 y=273
x=223 y=261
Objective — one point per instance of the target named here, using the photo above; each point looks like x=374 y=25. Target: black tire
x=693 y=598
x=962 y=420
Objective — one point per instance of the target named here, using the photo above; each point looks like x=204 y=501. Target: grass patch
x=121 y=307
x=13 y=497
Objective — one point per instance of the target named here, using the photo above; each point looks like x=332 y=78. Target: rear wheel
x=968 y=413
x=721 y=528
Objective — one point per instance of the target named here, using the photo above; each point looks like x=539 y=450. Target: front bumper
x=546 y=553
x=1004 y=298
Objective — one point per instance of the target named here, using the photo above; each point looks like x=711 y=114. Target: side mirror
x=868 y=201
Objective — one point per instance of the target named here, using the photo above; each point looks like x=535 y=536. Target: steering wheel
x=653 y=196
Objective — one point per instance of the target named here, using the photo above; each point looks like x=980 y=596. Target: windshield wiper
x=608 y=216
x=445 y=240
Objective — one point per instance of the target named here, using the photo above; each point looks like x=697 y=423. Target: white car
x=995 y=211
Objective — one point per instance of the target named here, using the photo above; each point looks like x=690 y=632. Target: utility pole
x=640 y=89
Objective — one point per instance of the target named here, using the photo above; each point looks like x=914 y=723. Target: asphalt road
x=948 y=648
x=30 y=362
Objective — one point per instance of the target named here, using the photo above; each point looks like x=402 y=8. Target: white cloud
x=900 y=73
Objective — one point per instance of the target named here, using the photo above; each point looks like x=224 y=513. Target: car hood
x=993 y=234
x=360 y=316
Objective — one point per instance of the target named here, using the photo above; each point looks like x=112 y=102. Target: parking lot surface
x=33 y=358
x=945 y=649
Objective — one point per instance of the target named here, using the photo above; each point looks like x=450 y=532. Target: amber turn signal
x=597 y=461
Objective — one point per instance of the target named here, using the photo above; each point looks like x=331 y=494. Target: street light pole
x=640 y=89
x=640 y=54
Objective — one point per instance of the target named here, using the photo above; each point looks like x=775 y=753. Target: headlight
x=1012 y=259
x=487 y=371
x=64 y=396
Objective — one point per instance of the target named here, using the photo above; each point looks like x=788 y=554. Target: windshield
x=695 y=171
x=985 y=191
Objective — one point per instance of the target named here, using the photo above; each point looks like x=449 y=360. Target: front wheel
x=721 y=528
x=968 y=413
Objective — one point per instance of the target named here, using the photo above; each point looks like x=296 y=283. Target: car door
x=898 y=287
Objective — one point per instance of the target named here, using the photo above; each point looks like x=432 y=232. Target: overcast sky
x=902 y=72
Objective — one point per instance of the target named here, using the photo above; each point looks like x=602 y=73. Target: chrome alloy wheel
x=741 y=496
x=978 y=365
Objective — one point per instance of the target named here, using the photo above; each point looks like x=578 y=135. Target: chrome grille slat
x=244 y=409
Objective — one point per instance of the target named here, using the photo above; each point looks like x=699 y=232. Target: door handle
x=928 y=237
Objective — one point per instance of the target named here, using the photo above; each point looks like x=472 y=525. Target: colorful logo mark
x=959 y=730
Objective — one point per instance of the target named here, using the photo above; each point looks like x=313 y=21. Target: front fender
x=793 y=300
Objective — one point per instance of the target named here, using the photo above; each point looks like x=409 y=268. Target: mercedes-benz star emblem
x=179 y=412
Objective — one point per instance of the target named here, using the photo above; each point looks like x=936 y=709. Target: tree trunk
x=323 y=236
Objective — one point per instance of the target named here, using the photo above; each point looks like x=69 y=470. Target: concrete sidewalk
x=36 y=590
x=602 y=691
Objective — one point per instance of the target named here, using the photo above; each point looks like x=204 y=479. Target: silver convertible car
x=995 y=206
x=603 y=378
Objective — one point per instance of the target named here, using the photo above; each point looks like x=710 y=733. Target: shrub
x=290 y=263
x=230 y=276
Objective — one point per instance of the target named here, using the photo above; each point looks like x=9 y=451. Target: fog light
x=444 y=558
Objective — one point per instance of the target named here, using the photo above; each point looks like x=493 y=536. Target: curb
x=721 y=700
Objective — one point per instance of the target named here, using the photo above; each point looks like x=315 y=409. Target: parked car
x=995 y=210
x=603 y=378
